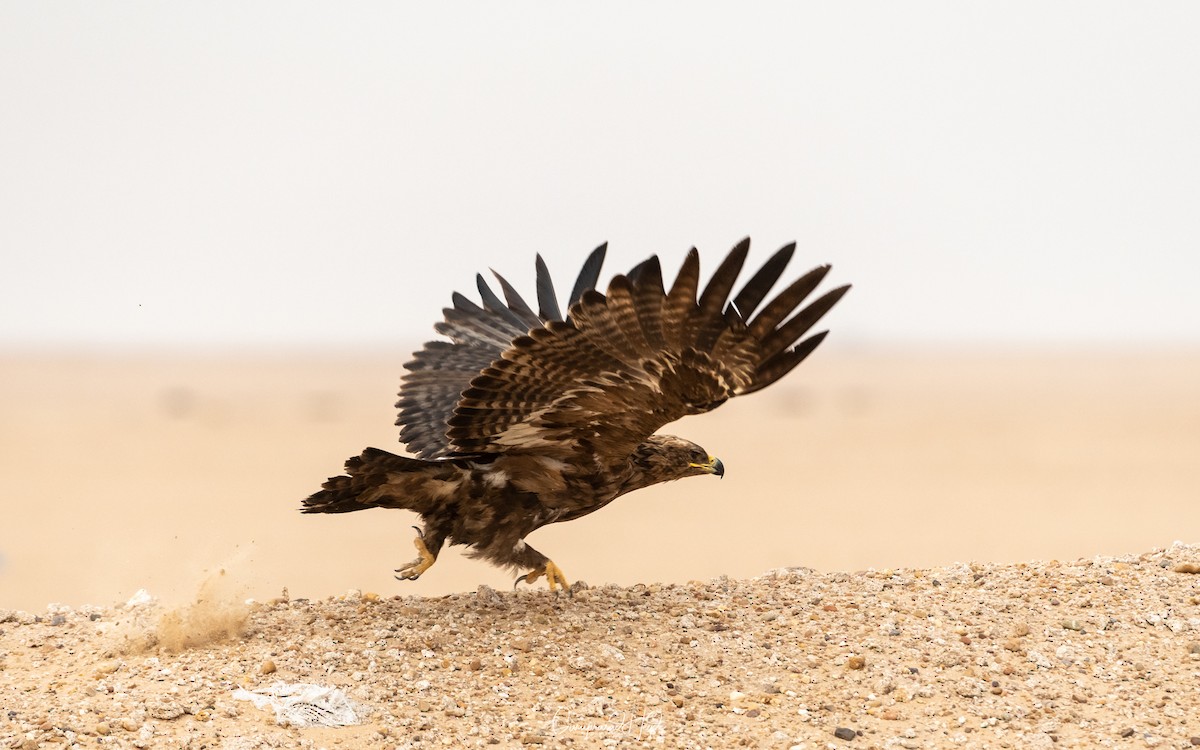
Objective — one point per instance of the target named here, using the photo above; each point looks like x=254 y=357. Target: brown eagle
x=527 y=418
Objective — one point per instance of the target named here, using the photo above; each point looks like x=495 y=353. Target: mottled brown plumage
x=527 y=418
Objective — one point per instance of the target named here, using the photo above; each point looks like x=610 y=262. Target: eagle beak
x=714 y=466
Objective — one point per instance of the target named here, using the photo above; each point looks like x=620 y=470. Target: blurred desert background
x=128 y=472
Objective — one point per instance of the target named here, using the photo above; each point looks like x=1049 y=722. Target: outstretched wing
x=442 y=370
x=625 y=363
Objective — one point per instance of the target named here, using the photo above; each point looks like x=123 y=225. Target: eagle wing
x=616 y=369
x=440 y=372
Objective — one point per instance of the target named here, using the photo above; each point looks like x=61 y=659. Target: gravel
x=1090 y=653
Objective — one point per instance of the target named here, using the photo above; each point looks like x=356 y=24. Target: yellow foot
x=424 y=562
x=554 y=576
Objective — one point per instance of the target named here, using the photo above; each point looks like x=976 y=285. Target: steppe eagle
x=528 y=418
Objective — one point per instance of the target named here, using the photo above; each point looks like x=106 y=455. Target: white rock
x=140 y=598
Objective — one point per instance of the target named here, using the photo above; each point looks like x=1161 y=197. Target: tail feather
x=371 y=481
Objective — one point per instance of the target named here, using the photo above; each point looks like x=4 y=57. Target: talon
x=554 y=577
x=424 y=561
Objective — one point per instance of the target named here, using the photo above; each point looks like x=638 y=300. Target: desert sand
x=1102 y=652
x=874 y=471
x=128 y=472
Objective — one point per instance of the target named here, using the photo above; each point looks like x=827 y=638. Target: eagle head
x=663 y=458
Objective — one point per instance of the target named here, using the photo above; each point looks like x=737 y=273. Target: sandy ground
x=1103 y=652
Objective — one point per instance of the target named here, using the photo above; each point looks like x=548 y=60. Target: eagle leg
x=426 y=557
x=554 y=576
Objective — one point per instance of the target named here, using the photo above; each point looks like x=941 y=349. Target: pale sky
x=282 y=173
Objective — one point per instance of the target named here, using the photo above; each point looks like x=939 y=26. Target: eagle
x=523 y=419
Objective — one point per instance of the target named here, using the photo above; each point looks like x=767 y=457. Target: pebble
x=856 y=662
x=844 y=733
x=166 y=710
x=108 y=666
x=267 y=667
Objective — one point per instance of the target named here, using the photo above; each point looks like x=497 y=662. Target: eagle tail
x=374 y=479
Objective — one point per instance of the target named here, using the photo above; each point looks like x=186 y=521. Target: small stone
x=57 y=620
x=268 y=667
x=532 y=739
x=475 y=665
x=1072 y=625
x=107 y=667
x=487 y=595
x=1194 y=740
x=889 y=714
x=521 y=644
x=856 y=662
x=1194 y=647
x=1127 y=732
x=102 y=728
x=166 y=711
x=1187 y=568
x=844 y=733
